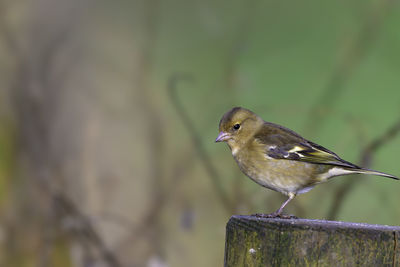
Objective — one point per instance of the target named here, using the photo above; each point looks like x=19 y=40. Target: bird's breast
x=285 y=176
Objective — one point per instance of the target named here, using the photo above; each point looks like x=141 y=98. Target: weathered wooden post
x=254 y=241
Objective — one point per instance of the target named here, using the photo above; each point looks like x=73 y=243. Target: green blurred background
x=109 y=112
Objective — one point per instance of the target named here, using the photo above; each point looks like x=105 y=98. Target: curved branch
x=352 y=59
x=195 y=137
x=366 y=159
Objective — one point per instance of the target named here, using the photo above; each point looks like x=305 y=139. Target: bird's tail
x=373 y=172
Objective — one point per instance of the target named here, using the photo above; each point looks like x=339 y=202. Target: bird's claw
x=275 y=215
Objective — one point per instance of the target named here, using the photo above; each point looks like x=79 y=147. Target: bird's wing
x=283 y=143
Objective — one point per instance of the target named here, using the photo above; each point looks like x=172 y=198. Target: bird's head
x=237 y=126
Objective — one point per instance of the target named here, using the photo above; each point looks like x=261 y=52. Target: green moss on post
x=253 y=241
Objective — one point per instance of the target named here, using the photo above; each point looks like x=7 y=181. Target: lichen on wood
x=254 y=241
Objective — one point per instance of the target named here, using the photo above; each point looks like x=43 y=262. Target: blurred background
x=109 y=111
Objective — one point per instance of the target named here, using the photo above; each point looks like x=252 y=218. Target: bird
x=280 y=159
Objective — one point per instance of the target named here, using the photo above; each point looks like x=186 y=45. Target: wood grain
x=254 y=241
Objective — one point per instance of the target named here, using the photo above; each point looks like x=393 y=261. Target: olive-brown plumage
x=278 y=158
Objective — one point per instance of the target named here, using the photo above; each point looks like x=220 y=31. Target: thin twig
x=205 y=159
x=379 y=142
x=239 y=43
x=35 y=115
x=351 y=61
x=365 y=161
x=83 y=227
x=157 y=205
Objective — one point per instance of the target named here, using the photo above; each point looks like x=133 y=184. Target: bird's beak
x=222 y=137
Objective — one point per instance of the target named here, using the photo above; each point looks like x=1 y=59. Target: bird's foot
x=275 y=215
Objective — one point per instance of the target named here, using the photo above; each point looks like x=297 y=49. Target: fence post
x=254 y=241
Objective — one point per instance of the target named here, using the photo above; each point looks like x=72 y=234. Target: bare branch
x=365 y=161
x=350 y=62
x=82 y=227
x=150 y=219
x=205 y=159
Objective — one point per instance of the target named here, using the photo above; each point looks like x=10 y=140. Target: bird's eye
x=236 y=126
